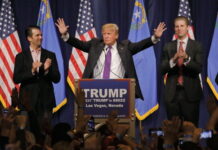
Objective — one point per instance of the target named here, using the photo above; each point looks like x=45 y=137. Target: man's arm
x=143 y=44
x=63 y=29
x=53 y=71
x=139 y=46
x=81 y=45
x=195 y=64
x=21 y=73
x=165 y=60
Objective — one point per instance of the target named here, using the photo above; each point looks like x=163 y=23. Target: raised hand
x=171 y=130
x=213 y=120
x=82 y=119
x=61 y=26
x=112 y=121
x=159 y=30
x=80 y=97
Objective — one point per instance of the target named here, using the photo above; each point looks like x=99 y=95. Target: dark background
x=204 y=13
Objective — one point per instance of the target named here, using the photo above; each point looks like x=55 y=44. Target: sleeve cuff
x=172 y=64
x=186 y=61
x=154 y=39
x=46 y=72
x=65 y=37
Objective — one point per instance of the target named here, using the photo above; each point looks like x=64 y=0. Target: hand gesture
x=175 y=57
x=182 y=54
x=47 y=64
x=80 y=98
x=61 y=26
x=82 y=119
x=36 y=65
x=112 y=121
x=188 y=128
x=213 y=120
x=171 y=129
x=159 y=30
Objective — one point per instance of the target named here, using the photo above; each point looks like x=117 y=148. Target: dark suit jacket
x=190 y=72
x=38 y=87
x=126 y=50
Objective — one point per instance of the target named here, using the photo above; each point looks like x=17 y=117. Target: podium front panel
x=102 y=96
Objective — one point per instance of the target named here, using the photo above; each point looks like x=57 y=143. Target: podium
x=104 y=95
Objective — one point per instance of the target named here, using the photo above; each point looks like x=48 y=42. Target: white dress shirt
x=117 y=70
x=36 y=55
x=184 y=45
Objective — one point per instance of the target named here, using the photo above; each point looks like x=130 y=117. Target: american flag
x=85 y=32
x=184 y=10
x=9 y=47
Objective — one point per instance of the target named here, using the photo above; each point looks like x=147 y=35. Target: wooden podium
x=104 y=95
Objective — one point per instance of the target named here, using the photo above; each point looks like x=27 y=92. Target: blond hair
x=182 y=18
x=111 y=26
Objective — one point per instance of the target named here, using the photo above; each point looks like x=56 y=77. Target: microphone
x=98 y=69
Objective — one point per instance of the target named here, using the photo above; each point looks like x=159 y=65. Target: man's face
x=109 y=36
x=181 y=29
x=36 y=38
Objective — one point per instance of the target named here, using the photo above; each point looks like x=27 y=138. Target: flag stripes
x=10 y=46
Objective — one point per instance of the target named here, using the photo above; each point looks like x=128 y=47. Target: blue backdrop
x=203 y=13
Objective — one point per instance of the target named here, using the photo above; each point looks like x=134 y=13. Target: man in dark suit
x=121 y=61
x=182 y=62
x=36 y=69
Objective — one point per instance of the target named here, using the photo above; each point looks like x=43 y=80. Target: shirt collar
x=184 y=40
x=33 y=50
x=114 y=46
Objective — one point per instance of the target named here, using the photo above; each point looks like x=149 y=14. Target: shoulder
x=96 y=40
x=194 y=42
x=124 y=42
x=171 y=43
x=22 y=53
x=47 y=52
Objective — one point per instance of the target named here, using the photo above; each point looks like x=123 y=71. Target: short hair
x=110 y=26
x=182 y=18
x=28 y=31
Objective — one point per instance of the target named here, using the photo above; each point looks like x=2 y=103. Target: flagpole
x=140 y=125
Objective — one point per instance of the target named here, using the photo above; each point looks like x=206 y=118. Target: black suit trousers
x=182 y=107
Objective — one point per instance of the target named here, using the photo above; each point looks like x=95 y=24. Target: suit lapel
x=43 y=56
x=188 y=47
x=122 y=54
x=29 y=58
x=96 y=54
x=174 y=49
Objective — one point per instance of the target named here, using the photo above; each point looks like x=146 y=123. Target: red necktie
x=180 y=63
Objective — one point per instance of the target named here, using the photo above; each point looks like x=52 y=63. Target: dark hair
x=182 y=18
x=28 y=31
